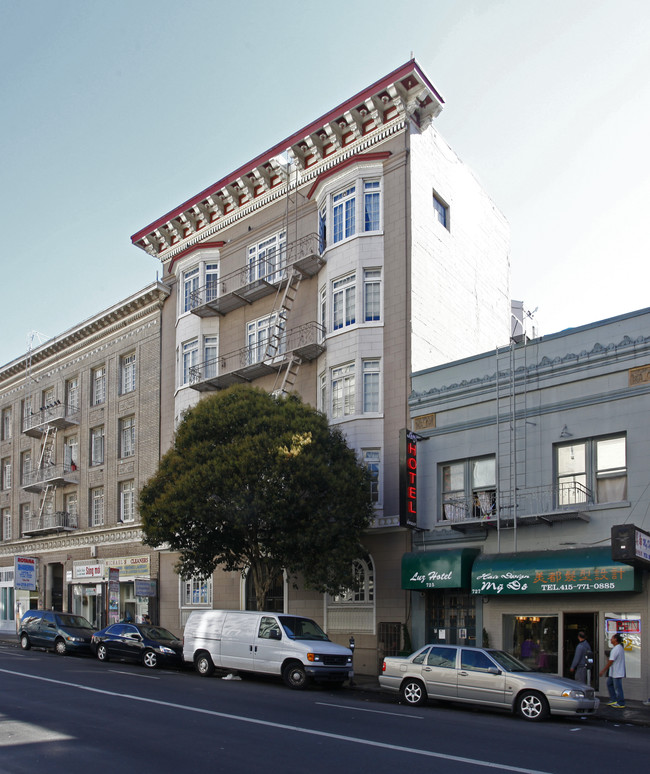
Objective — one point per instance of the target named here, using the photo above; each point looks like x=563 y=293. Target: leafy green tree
x=261 y=483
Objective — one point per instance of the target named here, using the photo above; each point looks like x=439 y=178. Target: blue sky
x=114 y=113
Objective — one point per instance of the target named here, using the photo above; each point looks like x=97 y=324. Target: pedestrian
x=146 y=619
x=583 y=658
x=616 y=666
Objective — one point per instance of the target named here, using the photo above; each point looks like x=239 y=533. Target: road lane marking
x=376 y=712
x=132 y=674
x=284 y=726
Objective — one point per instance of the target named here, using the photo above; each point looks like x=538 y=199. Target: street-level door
x=451 y=617
x=573 y=623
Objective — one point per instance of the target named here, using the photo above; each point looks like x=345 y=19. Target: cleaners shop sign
x=553 y=572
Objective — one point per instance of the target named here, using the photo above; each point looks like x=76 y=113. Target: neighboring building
x=79 y=436
x=352 y=253
x=521 y=479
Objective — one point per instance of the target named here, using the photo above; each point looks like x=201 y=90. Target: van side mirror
x=274 y=634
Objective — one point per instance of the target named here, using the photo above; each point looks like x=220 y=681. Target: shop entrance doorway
x=573 y=623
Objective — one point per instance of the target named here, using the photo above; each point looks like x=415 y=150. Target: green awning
x=438 y=569
x=553 y=572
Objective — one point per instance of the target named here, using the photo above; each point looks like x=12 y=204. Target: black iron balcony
x=306 y=342
x=532 y=505
x=50 y=475
x=57 y=415
x=46 y=523
x=259 y=279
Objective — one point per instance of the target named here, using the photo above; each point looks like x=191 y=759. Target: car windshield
x=157 y=633
x=302 y=628
x=508 y=662
x=73 y=621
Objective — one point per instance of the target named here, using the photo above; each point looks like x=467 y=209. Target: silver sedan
x=492 y=678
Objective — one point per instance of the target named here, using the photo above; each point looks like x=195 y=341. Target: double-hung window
x=371 y=205
x=440 y=211
x=190 y=288
x=468 y=489
x=209 y=357
x=6 y=524
x=372 y=295
x=127 y=437
x=211 y=281
x=265 y=337
x=97 y=445
x=127 y=500
x=267 y=259
x=6 y=473
x=127 y=373
x=343 y=391
x=190 y=360
x=344 y=293
x=5 y=430
x=322 y=229
x=196 y=591
x=343 y=214
x=372 y=460
x=71 y=508
x=97 y=506
x=71 y=396
x=98 y=378
x=593 y=470
x=370 y=386
x=25 y=467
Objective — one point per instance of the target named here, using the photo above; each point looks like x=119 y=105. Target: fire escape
x=284 y=348
x=49 y=475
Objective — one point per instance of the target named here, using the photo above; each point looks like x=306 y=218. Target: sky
x=114 y=113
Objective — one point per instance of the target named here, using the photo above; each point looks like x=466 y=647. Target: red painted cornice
x=193 y=249
x=398 y=74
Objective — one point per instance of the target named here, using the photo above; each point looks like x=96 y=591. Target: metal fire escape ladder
x=46 y=459
x=286 y=376
x=511 y=407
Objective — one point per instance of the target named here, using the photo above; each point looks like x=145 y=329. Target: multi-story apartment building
x=532 y=458
x=334 y=264
x=79 y=435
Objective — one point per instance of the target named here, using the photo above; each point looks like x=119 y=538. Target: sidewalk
x=635 y=713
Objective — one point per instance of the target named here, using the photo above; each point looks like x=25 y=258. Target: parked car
x=60 y=632
x=491 y=678
x=149 y=645
x=290 y=646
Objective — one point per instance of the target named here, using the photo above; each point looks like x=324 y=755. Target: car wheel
x=294 y=676
x=150 y=659
x=102 y=652
x=532 y=705
x=413 y=692
x=60 y=648
x=203 y=664
x=25 y=644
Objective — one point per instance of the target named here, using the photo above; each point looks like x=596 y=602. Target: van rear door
x=203 y=632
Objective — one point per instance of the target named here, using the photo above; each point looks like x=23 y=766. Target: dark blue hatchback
x=149 y=645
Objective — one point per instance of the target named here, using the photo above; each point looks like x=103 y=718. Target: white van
x=270 y=643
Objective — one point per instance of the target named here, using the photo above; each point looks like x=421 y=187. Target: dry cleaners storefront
x=532 y=604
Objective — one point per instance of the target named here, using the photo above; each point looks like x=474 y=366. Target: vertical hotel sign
x=408 y=478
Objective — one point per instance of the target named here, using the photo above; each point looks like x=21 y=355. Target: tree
x=260 y=483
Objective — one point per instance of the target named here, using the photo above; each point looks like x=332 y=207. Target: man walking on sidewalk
x=616 y=666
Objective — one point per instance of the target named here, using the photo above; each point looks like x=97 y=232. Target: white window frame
x=97 y=436
x=98 y=379
x=372 y=190
x=593 y=474
x=191 y=280
x=25 y=466
x=6 y=473
x=259 y=334
x=128 y=365
x=344 y=302
x=196 y=592
x=371 y=387
x=71 y=395
x=372 y=295
x=127 y=500
x=6 y=423
x=6 y=524
x=467 y=497
x=127 y=436
x=267 y=258
x=344 y=215
x=72 y=504
x=189 y=360
x=97 y=507
x=210 y=356
x=71 y=452
x=211 y=281
x=343 y=391
x=371 y=458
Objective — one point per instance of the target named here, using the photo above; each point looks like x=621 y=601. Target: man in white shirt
x=616 y=666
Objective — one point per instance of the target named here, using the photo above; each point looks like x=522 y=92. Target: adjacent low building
x=530 y=458
x=79 y=436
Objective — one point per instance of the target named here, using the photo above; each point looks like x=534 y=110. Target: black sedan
x=149 y=645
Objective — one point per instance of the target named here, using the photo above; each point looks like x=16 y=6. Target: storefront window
x=533 y=639
x=628 y=625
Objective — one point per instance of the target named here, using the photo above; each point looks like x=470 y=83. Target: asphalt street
x=71 y=713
